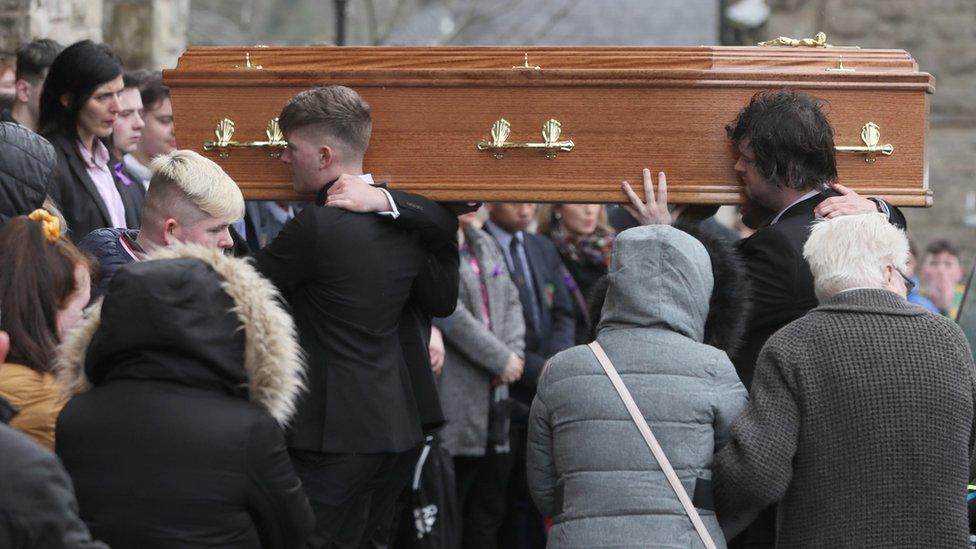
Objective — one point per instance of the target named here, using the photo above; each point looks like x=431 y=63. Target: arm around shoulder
x=434 y=222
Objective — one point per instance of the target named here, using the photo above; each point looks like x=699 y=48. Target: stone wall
x=941 y=36
x=64 y=20
x=146 y=33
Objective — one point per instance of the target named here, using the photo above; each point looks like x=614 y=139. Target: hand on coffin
x=848 y=203
x=655 y=210
x=436 y=349
x=351 y=192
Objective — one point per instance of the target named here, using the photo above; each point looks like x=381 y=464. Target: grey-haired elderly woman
x=588 y=466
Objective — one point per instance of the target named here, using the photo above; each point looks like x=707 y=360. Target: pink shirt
x=101 y=175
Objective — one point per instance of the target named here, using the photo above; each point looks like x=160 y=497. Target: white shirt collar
x=797 y=201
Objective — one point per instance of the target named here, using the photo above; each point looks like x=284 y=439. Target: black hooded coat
x=173 y=436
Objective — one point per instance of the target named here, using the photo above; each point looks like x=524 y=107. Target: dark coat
x=173 y=437
x=106 y=247
x=434 y=294
x=861 y=426
x=37 y=505
x=585 y=277
x=557 y=325
x=28 y=161
x=347 y=277
x=77 y=196
x=782 y=283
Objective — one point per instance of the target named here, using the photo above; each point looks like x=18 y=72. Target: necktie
x=522 y=282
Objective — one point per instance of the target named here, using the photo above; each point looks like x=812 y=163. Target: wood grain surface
x=624 y=108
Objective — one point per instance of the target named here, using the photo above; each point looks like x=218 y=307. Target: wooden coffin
x=618 y=109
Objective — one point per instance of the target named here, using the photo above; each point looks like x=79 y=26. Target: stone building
x=146 y=33
x=941 y=36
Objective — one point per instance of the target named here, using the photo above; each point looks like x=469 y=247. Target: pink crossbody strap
x=645 y=431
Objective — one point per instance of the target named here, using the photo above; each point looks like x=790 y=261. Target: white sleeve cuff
x=393 y=211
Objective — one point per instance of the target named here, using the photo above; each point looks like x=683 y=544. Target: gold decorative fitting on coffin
x=225 y=133
x=840 y=66
x=525 y=66
x=818 y=41
x=551 y=144
x=247 y=62
x=871 y=136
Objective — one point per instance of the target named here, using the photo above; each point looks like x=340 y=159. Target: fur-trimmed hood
x=193 y=316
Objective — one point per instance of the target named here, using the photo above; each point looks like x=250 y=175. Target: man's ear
x=65 y=100
x=23 y=90
x=170 y=232
x=888 y=277
x=327 y=157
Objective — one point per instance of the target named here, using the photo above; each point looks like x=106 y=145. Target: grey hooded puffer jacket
x=588 y=466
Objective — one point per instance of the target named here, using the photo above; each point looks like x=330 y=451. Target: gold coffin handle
x=224 y=135
x=871 y=137
x=551 y=144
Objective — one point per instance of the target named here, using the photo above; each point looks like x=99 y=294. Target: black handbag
x=434 y=521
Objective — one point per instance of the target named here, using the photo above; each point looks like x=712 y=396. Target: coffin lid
x=623 y=107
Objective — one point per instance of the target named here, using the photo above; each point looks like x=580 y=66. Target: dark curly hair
x=791 y=138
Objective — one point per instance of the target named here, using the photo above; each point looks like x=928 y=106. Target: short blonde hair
x=852 y=251
x=184 y=177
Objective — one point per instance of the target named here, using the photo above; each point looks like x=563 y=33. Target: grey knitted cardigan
x=860 y=425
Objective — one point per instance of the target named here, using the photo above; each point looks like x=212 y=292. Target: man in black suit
x=349 y=276
x=787 y=165
x=535 y=267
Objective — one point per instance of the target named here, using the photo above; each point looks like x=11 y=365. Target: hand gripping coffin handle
x=551 y=144
x=871 y=136
x=224 y=135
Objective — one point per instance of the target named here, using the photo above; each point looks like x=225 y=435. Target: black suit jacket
x=434 y=293
x=557 y=325
x=348 y=277
x=76 y=194
x=782 y=283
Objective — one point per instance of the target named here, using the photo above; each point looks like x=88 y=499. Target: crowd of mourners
x=184 y=368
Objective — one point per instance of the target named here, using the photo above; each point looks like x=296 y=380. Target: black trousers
x=353 y=495
x=523 y=527
x=482 y=487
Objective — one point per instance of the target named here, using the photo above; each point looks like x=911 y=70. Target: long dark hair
x=76 y=72
x=37 y=278
x=791 y=138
